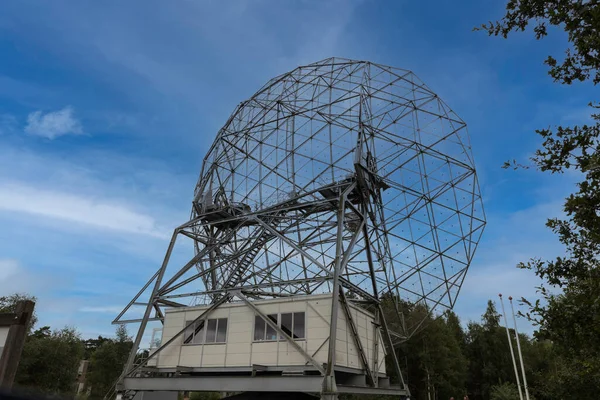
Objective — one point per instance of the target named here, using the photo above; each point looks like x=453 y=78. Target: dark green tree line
x=50 y=361
x=107 y=362
x=51 y=358
x=444 y=359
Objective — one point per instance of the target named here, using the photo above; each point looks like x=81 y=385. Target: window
x=299 y=325
x=259 y=328
x=194 y=334
x=215 y=332
x=286 y=324
x=221 y=330
x=271 y=333
x=262 y=330
x=291 y=323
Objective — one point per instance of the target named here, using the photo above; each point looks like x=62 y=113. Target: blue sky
x=106 y=110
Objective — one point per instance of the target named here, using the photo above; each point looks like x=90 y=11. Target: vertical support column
x=376 y=349
x=15 y=340
x=329 y=389
x=140 y=334
x=391 y=344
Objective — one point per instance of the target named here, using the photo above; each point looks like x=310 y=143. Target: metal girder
x=280 y=331
x=356 y=338
x=320 y=157
x=391 y=344
x=145 y=318
x=228 y=384
x=204 y=314
x=236 y=383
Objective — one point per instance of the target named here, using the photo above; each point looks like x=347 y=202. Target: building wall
x=240 y=349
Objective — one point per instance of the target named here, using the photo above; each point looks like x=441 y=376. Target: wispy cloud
x=511 y=238
x=53 y=124
x=15 y=278
x=96 y=212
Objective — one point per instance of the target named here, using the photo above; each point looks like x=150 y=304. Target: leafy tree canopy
x=50 y=361
x=570 y=319
x=107 y=363
x=8 y=304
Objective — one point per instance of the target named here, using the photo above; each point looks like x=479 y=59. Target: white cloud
x=53 y=124
x=510 y=238
x=15 y=278
x=99 y=213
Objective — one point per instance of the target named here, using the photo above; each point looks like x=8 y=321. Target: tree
x=456 y=329
x=435 y=364
x=8 y=304
x=488 y=353
x=579 y=19
x=107 y=363
x=504 y=391
x=91 y=345
x=205 y=396
x=50 y=361
x=571 y=319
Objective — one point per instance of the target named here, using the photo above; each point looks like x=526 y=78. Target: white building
x=234 y=337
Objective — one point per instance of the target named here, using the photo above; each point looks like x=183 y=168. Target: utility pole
x=519 y=349
x=512 y=353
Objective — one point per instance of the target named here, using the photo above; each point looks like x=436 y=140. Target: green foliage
x=489 y=354
x=50 y=361
x=107 y=363
x=579 y=19
x=444 y=361
x=441 y=360
x=205 y=396
x=433 y=358
x=8 y=304
x=91 y=345
x=505 y=391
x=571 y=319
x=456 y=329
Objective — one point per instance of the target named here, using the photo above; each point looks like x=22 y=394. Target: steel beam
x=144 y=322
x=311 y=384
x=205 y=314
x=356 y=337
x=280 y=331
x=258 y=383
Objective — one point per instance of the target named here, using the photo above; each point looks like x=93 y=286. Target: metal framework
x=343 y=177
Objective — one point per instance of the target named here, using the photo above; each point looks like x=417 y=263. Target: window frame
x=194 y=333
x=278 y=337
x=204 y=332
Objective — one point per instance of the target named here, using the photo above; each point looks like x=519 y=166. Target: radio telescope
x=339 y=176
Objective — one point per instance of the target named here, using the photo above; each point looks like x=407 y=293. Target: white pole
x=512 y=354
x=519 y=349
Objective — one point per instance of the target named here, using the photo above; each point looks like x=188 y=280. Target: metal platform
x=273 y=383
x=257 y=378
